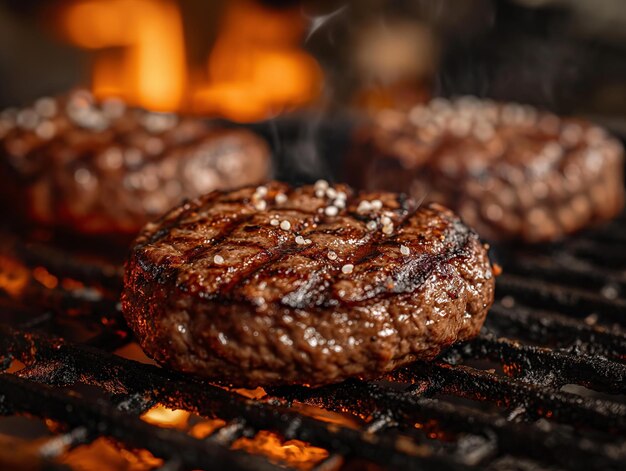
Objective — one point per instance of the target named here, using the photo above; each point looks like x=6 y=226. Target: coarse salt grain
x=339 y=203
x=385 y=220
x=404 y=250
x=331 y=255
x=371 y=225
x=387 y=229
x=331 y=211
x=364 y=207
x=377 y=205
x=218 y=259
x=300 y=240
x=331 y=193
x=280 y=198
x=321 y=185
x=274 y=222
x=261 y=190
x=347 y=268
x=260 y=205
x=285 y=225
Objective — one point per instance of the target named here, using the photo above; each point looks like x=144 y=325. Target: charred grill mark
x=183 y=211
x=201 y=251
x=272 y=246
x=274 y=255
x=317 y=300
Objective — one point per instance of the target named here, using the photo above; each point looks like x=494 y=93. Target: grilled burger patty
x=510 y=171
x=311 y=285
x=101 y=167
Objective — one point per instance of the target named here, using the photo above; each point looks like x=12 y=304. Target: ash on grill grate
x=543 y=387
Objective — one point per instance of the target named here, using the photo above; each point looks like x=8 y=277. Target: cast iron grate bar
x=564 y=268
x=547 y=299
x=538 y=364
x=56 y=261
x=556 y=445
x=205 y=399
x=62 y=364
x=20 y=395
x=575 y=302
x=537 y=402
x=554 y=329
x=612 y=258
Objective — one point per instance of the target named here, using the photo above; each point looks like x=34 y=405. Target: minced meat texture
x=510 y=171
x=311 y=285
x=100 y=167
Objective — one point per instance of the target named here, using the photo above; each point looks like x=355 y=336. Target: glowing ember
x=256 y=68
x=257 y=393
x=298 y=454
x=15 y=366
x=204 y=429
x=168 y=418
x=343 y=419
x=14 y=276
x=44 y=277
x=133 y=351
x=104 y=455
x=69 y=284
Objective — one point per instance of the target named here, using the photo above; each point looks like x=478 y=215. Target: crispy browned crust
x=279 y=312
x=510 y=171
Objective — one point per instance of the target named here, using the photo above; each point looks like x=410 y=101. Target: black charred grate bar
x=543 y=387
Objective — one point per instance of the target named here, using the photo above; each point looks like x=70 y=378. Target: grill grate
x=543 y=387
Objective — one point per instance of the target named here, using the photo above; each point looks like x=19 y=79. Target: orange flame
x=255 y=70
x=150 y=69
x=343 y=419
x=296 y=453
x=206 y=428
x=46 y=278
x=257 y=393
x=14 y=276
x=167 y=418
x=104 y=455
x=133 y=351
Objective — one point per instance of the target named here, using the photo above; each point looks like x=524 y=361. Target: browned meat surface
x=94 y=167
x=310 y=285
x=510 y=171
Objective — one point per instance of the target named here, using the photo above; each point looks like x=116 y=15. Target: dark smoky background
x=565 y=55
x=568 y=56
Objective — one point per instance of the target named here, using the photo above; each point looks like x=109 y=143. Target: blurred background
x=252 y=60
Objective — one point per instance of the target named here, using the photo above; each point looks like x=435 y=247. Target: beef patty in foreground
x=278 y=285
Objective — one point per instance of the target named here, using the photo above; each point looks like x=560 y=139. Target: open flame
x=296 y=453
x=14 y=276
x=105 y=455
x=141 y=51
x=165 y=417
x=256 y=68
